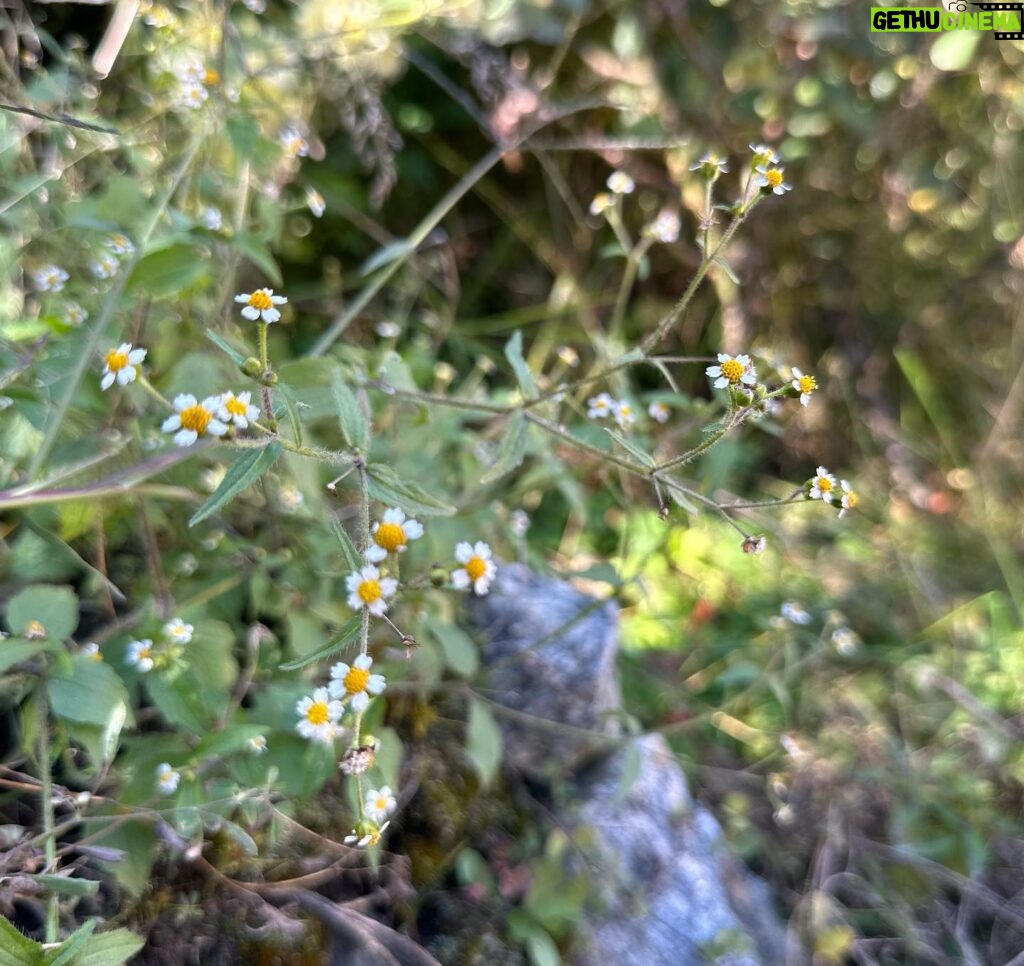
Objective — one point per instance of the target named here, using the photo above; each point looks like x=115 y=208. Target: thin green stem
x=578 y=443
x=692 y=454
x=46 y=807
x=154 y=392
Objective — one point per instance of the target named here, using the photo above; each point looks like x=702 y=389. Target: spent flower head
x=354 y=683
x=120 y=364
x=367 y=588
x=261 y=304
x=711 y=167
x=319 y=716
x=478 y=570
x=194 y=419
x=392 y=535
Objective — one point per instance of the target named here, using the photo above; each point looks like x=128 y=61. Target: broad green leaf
x=241 y=474
x=384 y=485
x=178 y=703
x=258 y=253
x=483 y=741
x=236 y=357
x=512 y=449
x=67 y=886
x=240 y=836
x=348 y=548
x=460 y=652
x=65 y=953
x=514 y=354
x=169 y=272
x=109 y=948
x=350 y=415
x=16 y=949
x=91 y=692
x=56 y=608
x=13 y=652
x=645 y=458
x=348 y=633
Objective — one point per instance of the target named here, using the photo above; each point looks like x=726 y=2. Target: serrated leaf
x=89 y=692
x=384 y=485
x=631 y=447
x=109 y=948
x=348 y=632
x=727 y=268
x=236 y=357
x=514 y=354
x=350 y=415
x=348 y=548
x=385 y=255
x=168 y=272
x=67 y=886
x=241 y=474
x=56 y=608
x=16 y=949
x=511 y=451
x=483 y=741
x=258 y=253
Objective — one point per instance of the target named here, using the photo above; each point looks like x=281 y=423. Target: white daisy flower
x=732 y=371
x=120 y=364
x=388 y=330
x=105 y=265
x=792 y=611
x=665 y=228
x=256 y=745
x=355 y=684
x=773 y=178
x=366 y=588
x=178 y=631
x=601 y=203
x=238 y=409
x=74 y=314
x=625 y=415
x=92 y=649
x=365 y=833
x=659 y=412
x=620 y=183
x=478 y=569
x=519 y=522
x=140 y=655
x=379 y=803
x=763 y=155
x=392 y=535
x=261 y=305
x=294 y=144
x=823 y=486
x=119 y=244
x=803 y=384
x=194 y=419
x=319 y=717
x=848 y=499
x=211 y=218
x=167 y=779
x=50 y=278
x=600 y=406
x=315 y=202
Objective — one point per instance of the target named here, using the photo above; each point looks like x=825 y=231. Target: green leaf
x=110 y=948
x=240 y=836
x=460 y=651
x=178 y=705
x=727 y=268
x=236 y=357
x=241 y=474
x=483 y=741
x=384 y=485
x=514 y=354
x=14 y=651
x=56 y=608
x=645 y=458
x=258 y=253
x=91 y=693
x=168 y=272
x=512 y=449
x=291 y=407
x=65 y=952
x=348 y=548
x=220 y=743
x=136 y=840
x=350 y=415
x=346 y=635
x=16 y=949
x=67 y=886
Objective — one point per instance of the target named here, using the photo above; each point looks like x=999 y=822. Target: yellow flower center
x=235 y=406
x=381 y=803
x=317 y=713
x=196 y=418
x=390 y=536
x=374 y=837
x=210 y=76
x=369 y=591
x=824 y=484
x=355 y=680
x=774 y=177
x=808 y=384
x=732 y=370
x=34 y=630
x=625 y=411
x=116 y=360
x=476 y=567
x=260 y=300
x=851 y=499
x=144 y=652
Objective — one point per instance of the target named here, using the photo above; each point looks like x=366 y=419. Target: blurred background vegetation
x=865 y=758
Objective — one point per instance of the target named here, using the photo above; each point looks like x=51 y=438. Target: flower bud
x=251 y=367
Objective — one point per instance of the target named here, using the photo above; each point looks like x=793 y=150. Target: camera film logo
x=1005 y=20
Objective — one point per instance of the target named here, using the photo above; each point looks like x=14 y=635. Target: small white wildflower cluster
x=619 y=183
x=770 y=174
x=603 y=405
x=144 y=655
x=194 y=82
x=823 y=486
x=107 y=263
x=214 y=416
x=738 y=374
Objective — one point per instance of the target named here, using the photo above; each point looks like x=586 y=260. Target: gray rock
x=550 y=656
x=665 y=888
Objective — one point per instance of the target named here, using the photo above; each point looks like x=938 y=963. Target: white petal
x=171 y=423
x=360 y=701
x=413 y=529
x=271 y=315
x=125 y=376
x=108 y=380
x=250 y=313
x=184 y=401
x=186 y=437
x=242 y=298
x=136 y=356
x=463 y=552
x=460 y=579
x=376 y=553
x=364 y=662
x=216 y=428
